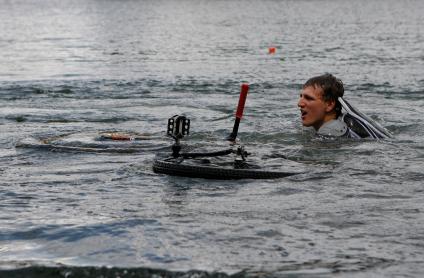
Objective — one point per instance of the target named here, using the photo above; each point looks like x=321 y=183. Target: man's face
x=312 y=106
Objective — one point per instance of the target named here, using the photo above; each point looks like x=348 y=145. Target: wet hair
x=331 y=86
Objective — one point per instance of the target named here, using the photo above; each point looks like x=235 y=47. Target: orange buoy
x=271 y=50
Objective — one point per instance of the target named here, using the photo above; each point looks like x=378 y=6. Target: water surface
x=71 y=70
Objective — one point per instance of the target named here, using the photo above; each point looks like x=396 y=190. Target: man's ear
x=330 y=105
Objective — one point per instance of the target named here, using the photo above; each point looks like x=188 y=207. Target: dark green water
x=70 y=70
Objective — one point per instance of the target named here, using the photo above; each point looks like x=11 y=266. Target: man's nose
x=300 y=103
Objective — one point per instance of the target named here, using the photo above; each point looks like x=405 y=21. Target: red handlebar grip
x=242 y=100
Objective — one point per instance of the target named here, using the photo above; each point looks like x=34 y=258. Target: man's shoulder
x=337 y=128
x=333 y=128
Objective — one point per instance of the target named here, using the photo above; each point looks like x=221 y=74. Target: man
x=320 y=108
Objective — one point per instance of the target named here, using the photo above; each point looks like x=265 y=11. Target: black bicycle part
x=178 y=127
x=177 y=168
x=206 y=154
x=232 y=137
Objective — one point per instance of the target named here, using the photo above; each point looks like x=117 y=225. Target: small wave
x=378 y=196
x=388 y=90
x=32 y=118
x=76 y=233
x=316 y=268
x=206 y=86
x=28 y=269
x=405 y=128
x=95 y=142
x=80 y=89
x=16 y=92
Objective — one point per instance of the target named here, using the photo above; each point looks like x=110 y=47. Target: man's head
x=318 y=100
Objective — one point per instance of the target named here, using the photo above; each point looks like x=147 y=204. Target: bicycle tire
x=162 y=166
